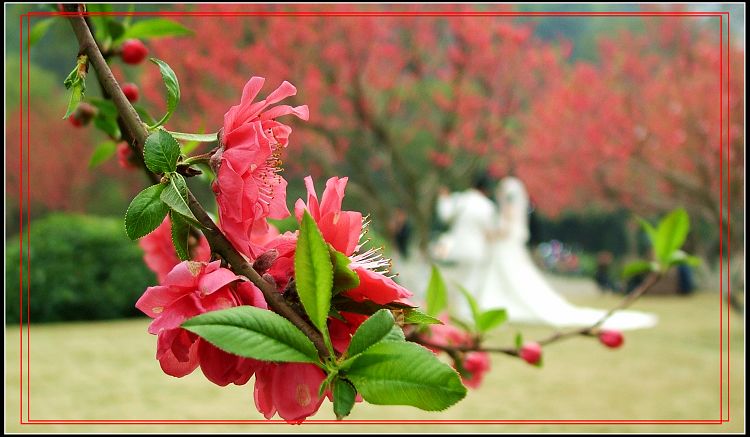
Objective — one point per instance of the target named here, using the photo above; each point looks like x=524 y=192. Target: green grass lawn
x=107 y=370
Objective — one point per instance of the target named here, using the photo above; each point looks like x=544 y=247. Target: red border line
x=378 y=422
x=721 y=218
x=20 y=216
x=28 y=217
x=384 y=14
x=729 y=212
x=28 y=16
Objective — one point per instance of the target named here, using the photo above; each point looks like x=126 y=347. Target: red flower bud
x=75 y=121
x=531 y=352
x=125 y=156
x=611 y=338
x=133 y=51
x=131 y=92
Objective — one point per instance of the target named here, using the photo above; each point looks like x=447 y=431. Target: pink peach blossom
x=189 y=289
x=248 y=187
x=289 y=389
x=343 y=230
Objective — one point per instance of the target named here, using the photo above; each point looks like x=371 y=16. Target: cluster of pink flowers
x=249 y=190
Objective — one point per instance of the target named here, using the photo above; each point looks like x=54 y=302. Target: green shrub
x=81 y=268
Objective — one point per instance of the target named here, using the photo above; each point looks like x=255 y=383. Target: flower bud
x=133 y=51
x=265 y=261
x=131 y=92
x=531 y=352
x=82 y=114
x=611 y=338
x=125 y=156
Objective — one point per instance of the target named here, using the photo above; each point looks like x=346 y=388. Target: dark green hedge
x=82 y=268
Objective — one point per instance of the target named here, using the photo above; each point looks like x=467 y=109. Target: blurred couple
x=486 y=248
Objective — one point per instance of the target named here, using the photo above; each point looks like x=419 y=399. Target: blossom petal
x=215 y=280
x=155 y=299
x=295 y=391
x=262 y=393
x=378 y=288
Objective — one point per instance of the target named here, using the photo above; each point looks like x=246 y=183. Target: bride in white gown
x=513 y=282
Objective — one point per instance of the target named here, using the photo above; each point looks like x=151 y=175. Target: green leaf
x=173 y=90
x=145 y=116
x=116 y=29
x=201 y=138
x=77 y=86
x=161 y=152
x=491 y=319
x=180 y=235
x=437 y=296
x=404 y=373
x=671 y=234
x=519 y=341
x=101 y=27
x=155 y=28
x=253 y=332
x=371 y=331
x=175 y=195
x=103 y=152
x=39 y=29
x=344 y=395
x=343 y=277
x=395 y=334
x=146 y=212
x=680 y=257
x=313 y=273
x=472 y=304
x=108 y=125
x=650 y=230
x=416 y=317
x=637 y=267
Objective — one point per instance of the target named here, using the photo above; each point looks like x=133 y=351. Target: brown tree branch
x=217 y=240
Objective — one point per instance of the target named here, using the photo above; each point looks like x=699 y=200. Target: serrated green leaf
x=343 y=277
x=636 y=268
x=395 y=334
x=371 y=331
x=155 y=28
x=404 y=373
x=180 y=235
x=344 y=395
x=671 y=234
x=416 y=317
x=39 y=29
x=146 y=212
x=173 y=90
x=175 y=195
x=313 y=273
x=253 y=332
x=437 y=296
x=161 y=152
x=103 y=152
x=200 y=138
x=491 y=319
x=472 y=304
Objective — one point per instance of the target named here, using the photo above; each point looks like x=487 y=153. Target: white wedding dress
x=512 y=281
x=463 y=249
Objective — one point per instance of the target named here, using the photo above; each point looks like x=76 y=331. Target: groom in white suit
x=471 y=216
